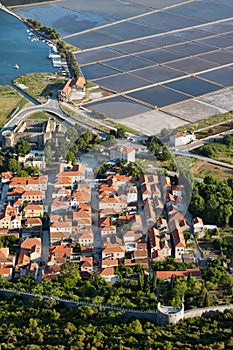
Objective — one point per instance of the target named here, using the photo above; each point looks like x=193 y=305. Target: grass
x=89 y=84
x=201 y=169
x=38 y=116
x=40 y=85
x=221 y=152
x=10 y=102
x=221 y=118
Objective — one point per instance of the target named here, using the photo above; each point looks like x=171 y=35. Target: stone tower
x=169 y=315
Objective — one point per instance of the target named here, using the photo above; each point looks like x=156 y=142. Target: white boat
x=16 y=66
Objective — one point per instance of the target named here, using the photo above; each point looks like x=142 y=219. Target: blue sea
x=17 y=48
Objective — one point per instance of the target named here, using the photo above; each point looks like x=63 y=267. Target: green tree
x=165 y=154
x=14 y=165
x=22 y=148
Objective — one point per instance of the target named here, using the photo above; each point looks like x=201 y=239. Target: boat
x=16 y=66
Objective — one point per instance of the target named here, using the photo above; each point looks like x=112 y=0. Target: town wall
x=160 y=317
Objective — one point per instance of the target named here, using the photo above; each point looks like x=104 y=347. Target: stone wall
x=207 y=311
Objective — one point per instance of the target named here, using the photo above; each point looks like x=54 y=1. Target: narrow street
x=5 y=188
x=45 y=236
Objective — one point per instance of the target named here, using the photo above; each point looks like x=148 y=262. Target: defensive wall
x=163 y=316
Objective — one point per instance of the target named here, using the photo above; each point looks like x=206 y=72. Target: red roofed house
x=198 y=224
x=179 y=243
x=87 y=264
x=30 y=183
x=64 y=92
x=108 y=274
x=33 y=196
x=61 y=226
x=9 y=218
x=109 y=263
x=6 y=176
x=113 y=252
x=30 y=252
x=7 y=263
x=59 y=255
x=167 y=275
x=33 y=211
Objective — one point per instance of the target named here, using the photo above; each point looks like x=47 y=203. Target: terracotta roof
x=123 y=149
x=33 y=207
x=7 y=175
x=5 y=270
x=178 y=238
x=157 y=254
x=33 y=193
x=63 y=180
x=109 y=262
x=60 y=224
x=23 y=259
x=108 y=228
x=24 y=181
x=34 y=221
x=66 y=87
x=168 y=274
x=81 y=82
x=108 y=271
x=59 y=235
x=29 y=243
x=16 y=191
x=114 y=249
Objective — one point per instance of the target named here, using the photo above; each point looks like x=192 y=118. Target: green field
x=40 y=85
x=218 y=150
x=10 y=102
x=38 y=116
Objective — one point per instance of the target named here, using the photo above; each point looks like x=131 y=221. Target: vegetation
x=206 y=123
x=202 y=168
x=22 y=148
x=40 y=116
x=216 y=285
x=123 y=168
x=9 y=162
x=160 y=152
x=10 y=102
x=212 y=200
x=50 y=33
x=220 y=150
x=10 y=242
x=40 y=85
x=70 y=147
x=46 y=324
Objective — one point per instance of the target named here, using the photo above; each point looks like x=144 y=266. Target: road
x=206 y=159
x=51 y=106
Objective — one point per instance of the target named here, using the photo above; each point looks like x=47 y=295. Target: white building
x=182 y=138
x=122 y=153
